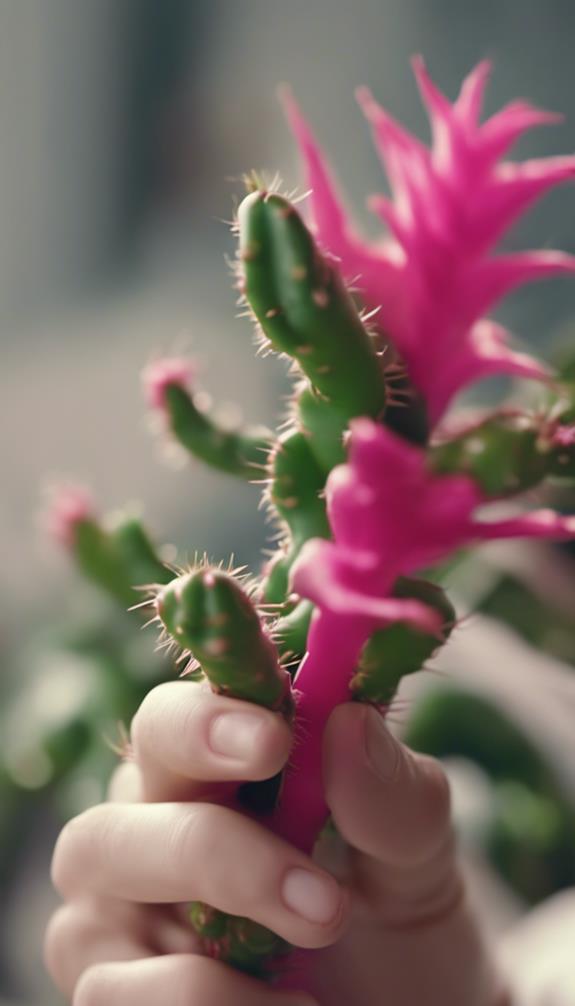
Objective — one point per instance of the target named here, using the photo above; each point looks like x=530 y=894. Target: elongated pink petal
x=470 y=100
x=330 y=577
x=537 y=524
x=503 y=129
x=434 y=100
x=432 y=280
x=484 y=354
x=492 y=279
x=371 y=271
x=329 y=215
x=513 y=189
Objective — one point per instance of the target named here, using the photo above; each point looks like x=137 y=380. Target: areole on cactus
x=366 y=503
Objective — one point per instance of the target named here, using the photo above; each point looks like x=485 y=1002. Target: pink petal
x=470 y=101
x=491 y=280
x=438 y=106
x=484 y=355
x=321 y=575
x=537 y=524
x=504 y=128
x=328 y=212
x=372 y=271
x=512 y=190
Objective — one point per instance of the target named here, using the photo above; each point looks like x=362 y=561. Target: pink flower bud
x=68 y=506
x=163 y=373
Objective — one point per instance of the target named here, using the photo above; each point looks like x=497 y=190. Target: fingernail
x=381 y=748
x=314 y=897
x=235 y=735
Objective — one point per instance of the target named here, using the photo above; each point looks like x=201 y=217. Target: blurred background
x=126 y=126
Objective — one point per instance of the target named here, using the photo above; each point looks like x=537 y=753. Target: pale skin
x=394 y=927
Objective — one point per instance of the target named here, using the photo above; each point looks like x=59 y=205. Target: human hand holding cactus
x=367 y=488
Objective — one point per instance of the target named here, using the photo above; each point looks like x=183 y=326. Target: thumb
x=386 y=801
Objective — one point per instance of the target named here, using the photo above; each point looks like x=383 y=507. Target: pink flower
x=163 y=373
x=68 y=507
x=389 y=515
x=433 y=277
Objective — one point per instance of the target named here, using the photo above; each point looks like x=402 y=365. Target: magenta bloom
x=432 y=278
x=163 y=373
x=390 y=515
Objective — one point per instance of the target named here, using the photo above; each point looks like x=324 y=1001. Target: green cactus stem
x=296 y=482
x=244 y=944
x=509 y=452
x=208 y=612
x=238 y=452
x=290 y=631
x=398 y=650
x=100 y=561
x=142 y=562
x=118 y=560
x=305 y=311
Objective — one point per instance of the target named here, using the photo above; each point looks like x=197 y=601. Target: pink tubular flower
x=68 y=506
x=163 y=373
x=390 y=515
x=433 y=278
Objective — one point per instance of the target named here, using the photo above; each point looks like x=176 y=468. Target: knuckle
x=62 y=854
x=142 y=727
x=196 y=835
x=93 y=987
x=76 y=847
x=58 y=942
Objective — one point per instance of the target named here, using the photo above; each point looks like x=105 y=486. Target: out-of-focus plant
x=370 y=485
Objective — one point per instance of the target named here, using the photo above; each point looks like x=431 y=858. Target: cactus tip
x=164 y=373
x=68 y=505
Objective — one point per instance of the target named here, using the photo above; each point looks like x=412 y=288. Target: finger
x=391 y=805
x=184 y=733
x=77 y=937
x=125 y=786
x=181 y=980
x=187 y=852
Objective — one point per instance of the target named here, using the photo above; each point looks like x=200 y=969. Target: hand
x=395 y=928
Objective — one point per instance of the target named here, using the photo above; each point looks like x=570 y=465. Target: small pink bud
x=68 y=506
x=168 y=371
x=564 y=436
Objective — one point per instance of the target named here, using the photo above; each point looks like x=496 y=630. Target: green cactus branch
x=392 y=653
x=119 y=559
x=209 y=613
x=294 y=494
x=240 y=452
x=305 y=311
x=509 y=452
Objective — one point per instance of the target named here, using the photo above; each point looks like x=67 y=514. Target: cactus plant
x=368 y=491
